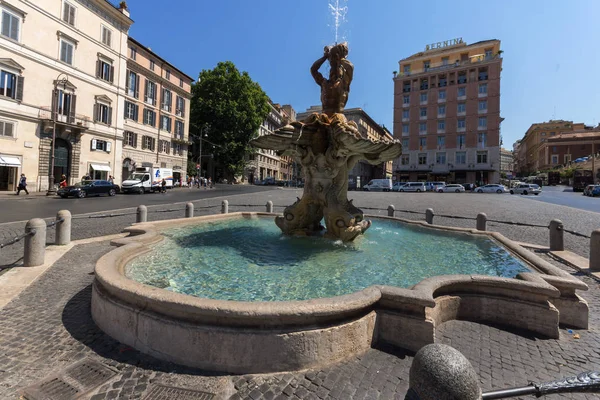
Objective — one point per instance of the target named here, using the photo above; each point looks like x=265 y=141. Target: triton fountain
x=327 y=146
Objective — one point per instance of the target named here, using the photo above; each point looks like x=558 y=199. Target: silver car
x=494 y=188
x=526 y=188
x=455 y=188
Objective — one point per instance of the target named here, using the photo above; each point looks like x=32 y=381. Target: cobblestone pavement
x=49 y=327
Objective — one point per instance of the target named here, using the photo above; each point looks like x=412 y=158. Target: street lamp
x=55 y=98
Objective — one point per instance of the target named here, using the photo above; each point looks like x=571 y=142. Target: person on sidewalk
x=63 y=182
x=163 y=186
x=22 y=185
x=111 y=179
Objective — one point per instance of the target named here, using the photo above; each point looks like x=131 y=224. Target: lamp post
x=59 y=81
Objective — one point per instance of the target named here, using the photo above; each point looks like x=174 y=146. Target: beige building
x=61 y=69
x=156 y=113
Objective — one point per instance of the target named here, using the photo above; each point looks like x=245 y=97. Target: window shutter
x=137 y=86
x=108 y=37
x=72 y=16
x=93 y=145
x=143 y=142
x=73 y=106
x=162 y=98
x=136 y=109
x=127 y=81
x=146 y=91
x=182 y=107
x=112 y=73
x=155 y=95
x=54 y=102
x=135 y=140
x=19 y=94
x=96 y=116
x=98 y=67
x=66 y=13
x=109 y=117
x=169 y=125
x=108 y=146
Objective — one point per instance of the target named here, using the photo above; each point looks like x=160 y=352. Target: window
x=66 y=51
x=442 y=95
x=406 y=87
x=180 y=107
x=164 y=146
x=103 y=113
x=462 y=91
x=131 y=110
x=167 y=99
x=440 y=158
x=461 y=157
x=7 y=129
x=422 y=158
x=106 y=36
x=405 y=143
x=488 y=54
x=426 y=65
x=130 y=139
x=407 y=69
x=423 y=127
x=422 y=143
x=105 y=70
x=482 y=139
x=101 y=145
x=445 y=60
x=406 y=99
x=461 y=108
x=165 y=123
x=441 y=142
x=441 y=124
x=423 y=112
x=133 y=84
x=482 y=157
x=567 y=158
x=150 y=93
x=461 y=123
x=552 y=133
x=179 y=129
x=441 y=110
x=483 y=88
x=167 y=74
x=180 y=82
x=543 y=133
x=405 y=128
x=132 y=53
x=68 y=13
x=10 y=25
x=177 y=149
x=423 y=97
x=462 y=78
x=555 y=159
x=11 y=85
x=65 y=102
x=404 y=114
x=148 y=143
x=460 y=141
x=151 y=65
x=149 y=117
x=483 y=105
x=405 y=159
x=482 y=122
x=554 y=149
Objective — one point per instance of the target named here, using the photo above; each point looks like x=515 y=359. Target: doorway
x=62 y=162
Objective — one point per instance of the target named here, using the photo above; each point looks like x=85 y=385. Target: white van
x=374 y=185
x=414 y=187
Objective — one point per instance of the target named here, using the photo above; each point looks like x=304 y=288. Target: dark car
x=89 y=188
x=469 y=186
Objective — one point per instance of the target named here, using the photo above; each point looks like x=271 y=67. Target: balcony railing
x=444 y=67
x=77 y=120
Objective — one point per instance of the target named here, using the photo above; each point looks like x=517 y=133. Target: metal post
x=556 y=235
x=429 y=215
x=269 y=206
x=224 y=207
x=189 y=210
x=391 y=210
x=595 y=251
x=35 y=243
x=63 y=228
x=481 y=221
x=142 y=214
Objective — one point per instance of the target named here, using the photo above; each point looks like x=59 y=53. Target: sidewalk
x=23 y=195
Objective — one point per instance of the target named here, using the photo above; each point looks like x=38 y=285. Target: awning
x=100 y=167
x=6 y=161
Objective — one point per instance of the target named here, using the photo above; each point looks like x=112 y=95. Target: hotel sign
x=445 y=43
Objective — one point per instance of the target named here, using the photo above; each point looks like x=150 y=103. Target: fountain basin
x=269 y=336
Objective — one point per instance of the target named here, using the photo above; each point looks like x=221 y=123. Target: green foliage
x=567 y=173
x=230 y=107
x=503 y=175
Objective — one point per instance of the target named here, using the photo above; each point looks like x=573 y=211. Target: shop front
x=9 y=172
x=99 y=171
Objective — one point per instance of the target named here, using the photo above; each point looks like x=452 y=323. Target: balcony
x=445 y=67
x=75 y=123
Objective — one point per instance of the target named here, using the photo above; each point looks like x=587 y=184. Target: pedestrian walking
x=163 y=186
x=22 y=185
x=210 y=185
x=111 y=179
x=63 y=182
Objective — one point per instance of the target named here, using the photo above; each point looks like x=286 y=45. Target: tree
x=228 y=108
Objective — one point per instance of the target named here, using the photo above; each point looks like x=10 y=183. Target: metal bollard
x=269 y=206
x=224 y=207
x=557 y=242
x=429 y=215
x=189 y=210
x=481 y=221
x=142 y=214
x=391 y=210
x=63 y=229
x=595 y=251
x=35 y=244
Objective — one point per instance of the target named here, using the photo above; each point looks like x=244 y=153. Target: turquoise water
x=249 y=260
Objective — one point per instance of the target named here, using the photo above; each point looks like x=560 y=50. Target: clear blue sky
x=551 y=48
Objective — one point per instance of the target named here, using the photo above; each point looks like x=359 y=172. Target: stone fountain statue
x=327 y=146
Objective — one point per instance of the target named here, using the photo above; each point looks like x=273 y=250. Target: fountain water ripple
x=339 y=14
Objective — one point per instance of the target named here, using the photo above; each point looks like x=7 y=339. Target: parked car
x=526 y=188
x=595 y=191
x=454 y=187
x=588 y=190
x=89 y=188
x=468 y=186
x=378 y=185
x=397 y=185
x=493 y=188
x=414 y=187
